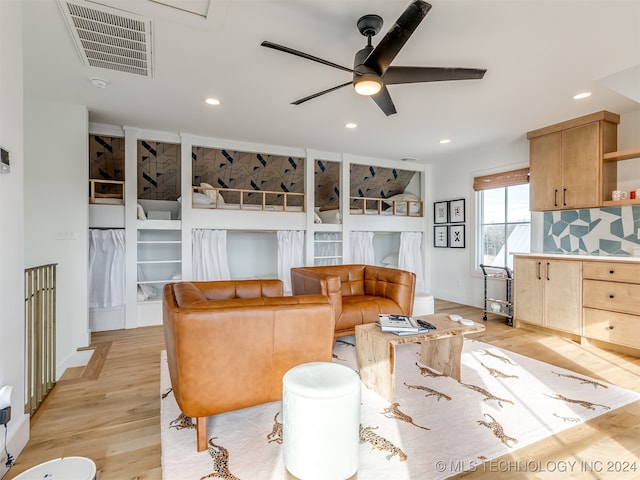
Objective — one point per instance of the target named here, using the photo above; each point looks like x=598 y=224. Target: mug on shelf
x=632 y=194
x=618 y=195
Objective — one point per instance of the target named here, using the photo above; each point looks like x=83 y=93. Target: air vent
x=109 y=38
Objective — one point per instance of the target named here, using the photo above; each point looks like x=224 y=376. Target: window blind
x=504 y=179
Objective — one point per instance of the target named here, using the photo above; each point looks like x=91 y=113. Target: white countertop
x=568 y=256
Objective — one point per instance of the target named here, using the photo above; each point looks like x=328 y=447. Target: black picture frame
x=456 y=211
x=456 y=236
x=441 y=212
x=440 y=236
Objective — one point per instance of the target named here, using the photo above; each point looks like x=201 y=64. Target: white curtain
x=410 y=256
x=362 y=248
x=210 y=255
x=328 y=248
x=106 y=268
x=290 y=254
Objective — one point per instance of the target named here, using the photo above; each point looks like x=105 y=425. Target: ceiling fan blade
x=298 y=53
x=310 y=97
x=383 y=100
x=398 y=75
x=397 y=36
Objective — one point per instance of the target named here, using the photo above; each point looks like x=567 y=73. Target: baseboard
x=77 y=359
x=17 y=438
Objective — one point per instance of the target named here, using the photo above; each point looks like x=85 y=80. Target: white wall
x=11 y=229
x=453 y=272
x=57 y=214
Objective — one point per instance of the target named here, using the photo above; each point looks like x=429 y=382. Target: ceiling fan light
x=367 y=86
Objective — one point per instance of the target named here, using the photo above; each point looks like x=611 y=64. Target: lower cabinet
x=611 y=303
x=596 y=299
x=548 y=293
x=612 y=327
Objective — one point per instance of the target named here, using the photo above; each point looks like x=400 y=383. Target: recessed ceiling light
x=445 y=140
x=350 y=125
x=581 y=95
x=212 y=101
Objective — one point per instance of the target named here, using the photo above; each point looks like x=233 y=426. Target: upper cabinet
x=566 y=163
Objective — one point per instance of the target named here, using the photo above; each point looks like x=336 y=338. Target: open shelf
x=621 y=203
x=622 y=155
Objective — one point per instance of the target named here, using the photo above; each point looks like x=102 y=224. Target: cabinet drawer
x=613 y=296
x=618 y=328
x=612 y=271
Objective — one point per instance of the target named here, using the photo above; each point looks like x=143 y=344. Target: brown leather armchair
x=229 y=343
x=358 y=293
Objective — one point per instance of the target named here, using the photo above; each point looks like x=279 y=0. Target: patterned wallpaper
x=595 y=231
x=106 y=161
x=158 y=177
x=327 y=182
x=158 y=170
x=250 y=171
x=378 y=182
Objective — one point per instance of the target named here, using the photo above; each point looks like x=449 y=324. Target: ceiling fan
x=372 y=70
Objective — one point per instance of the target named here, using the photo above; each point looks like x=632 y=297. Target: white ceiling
x=537 y=53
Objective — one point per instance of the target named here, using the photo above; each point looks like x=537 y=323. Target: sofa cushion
x=359 y=309
x=188 y=293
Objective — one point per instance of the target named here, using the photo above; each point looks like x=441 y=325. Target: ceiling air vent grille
x=109 y=38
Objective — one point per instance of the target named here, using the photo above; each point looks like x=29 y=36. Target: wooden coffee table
x=440 y=349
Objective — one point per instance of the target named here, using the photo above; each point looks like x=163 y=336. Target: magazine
x=402 y=324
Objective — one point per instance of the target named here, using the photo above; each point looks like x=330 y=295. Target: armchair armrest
x=307 y=281
x=397 y=285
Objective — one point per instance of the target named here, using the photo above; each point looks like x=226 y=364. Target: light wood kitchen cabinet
x=566 y=163
x=545 y=172
x=611 y=302
x=548 y=292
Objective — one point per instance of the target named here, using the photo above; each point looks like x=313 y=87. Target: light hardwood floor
x=109 y=410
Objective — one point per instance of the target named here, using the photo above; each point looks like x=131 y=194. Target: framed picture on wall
x=456 y=236
x=456 y=211
x=440 y=212
x=440 y=236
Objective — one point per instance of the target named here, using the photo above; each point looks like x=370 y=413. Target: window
x=504 y=223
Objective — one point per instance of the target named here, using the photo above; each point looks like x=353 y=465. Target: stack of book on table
x=403 y=324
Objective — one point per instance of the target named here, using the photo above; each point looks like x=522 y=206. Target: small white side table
x=321 y=421
x=65 y=468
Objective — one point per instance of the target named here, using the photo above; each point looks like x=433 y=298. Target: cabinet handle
x=612 y=272
x=610 y=327
x=611 y=296
x=548 y=270
x=555 y=197
x=564 y=196
x=539 y=270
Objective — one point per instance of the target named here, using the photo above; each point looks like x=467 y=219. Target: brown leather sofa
x=229 y=343
x=358 y=293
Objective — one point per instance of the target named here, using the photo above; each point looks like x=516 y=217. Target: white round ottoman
x=321 y=421
x=65 y=468
x=422 y=304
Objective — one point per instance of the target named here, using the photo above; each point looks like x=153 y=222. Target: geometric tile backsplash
x=594 y=231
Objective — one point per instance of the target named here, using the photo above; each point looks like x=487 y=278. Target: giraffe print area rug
x=438 y=428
